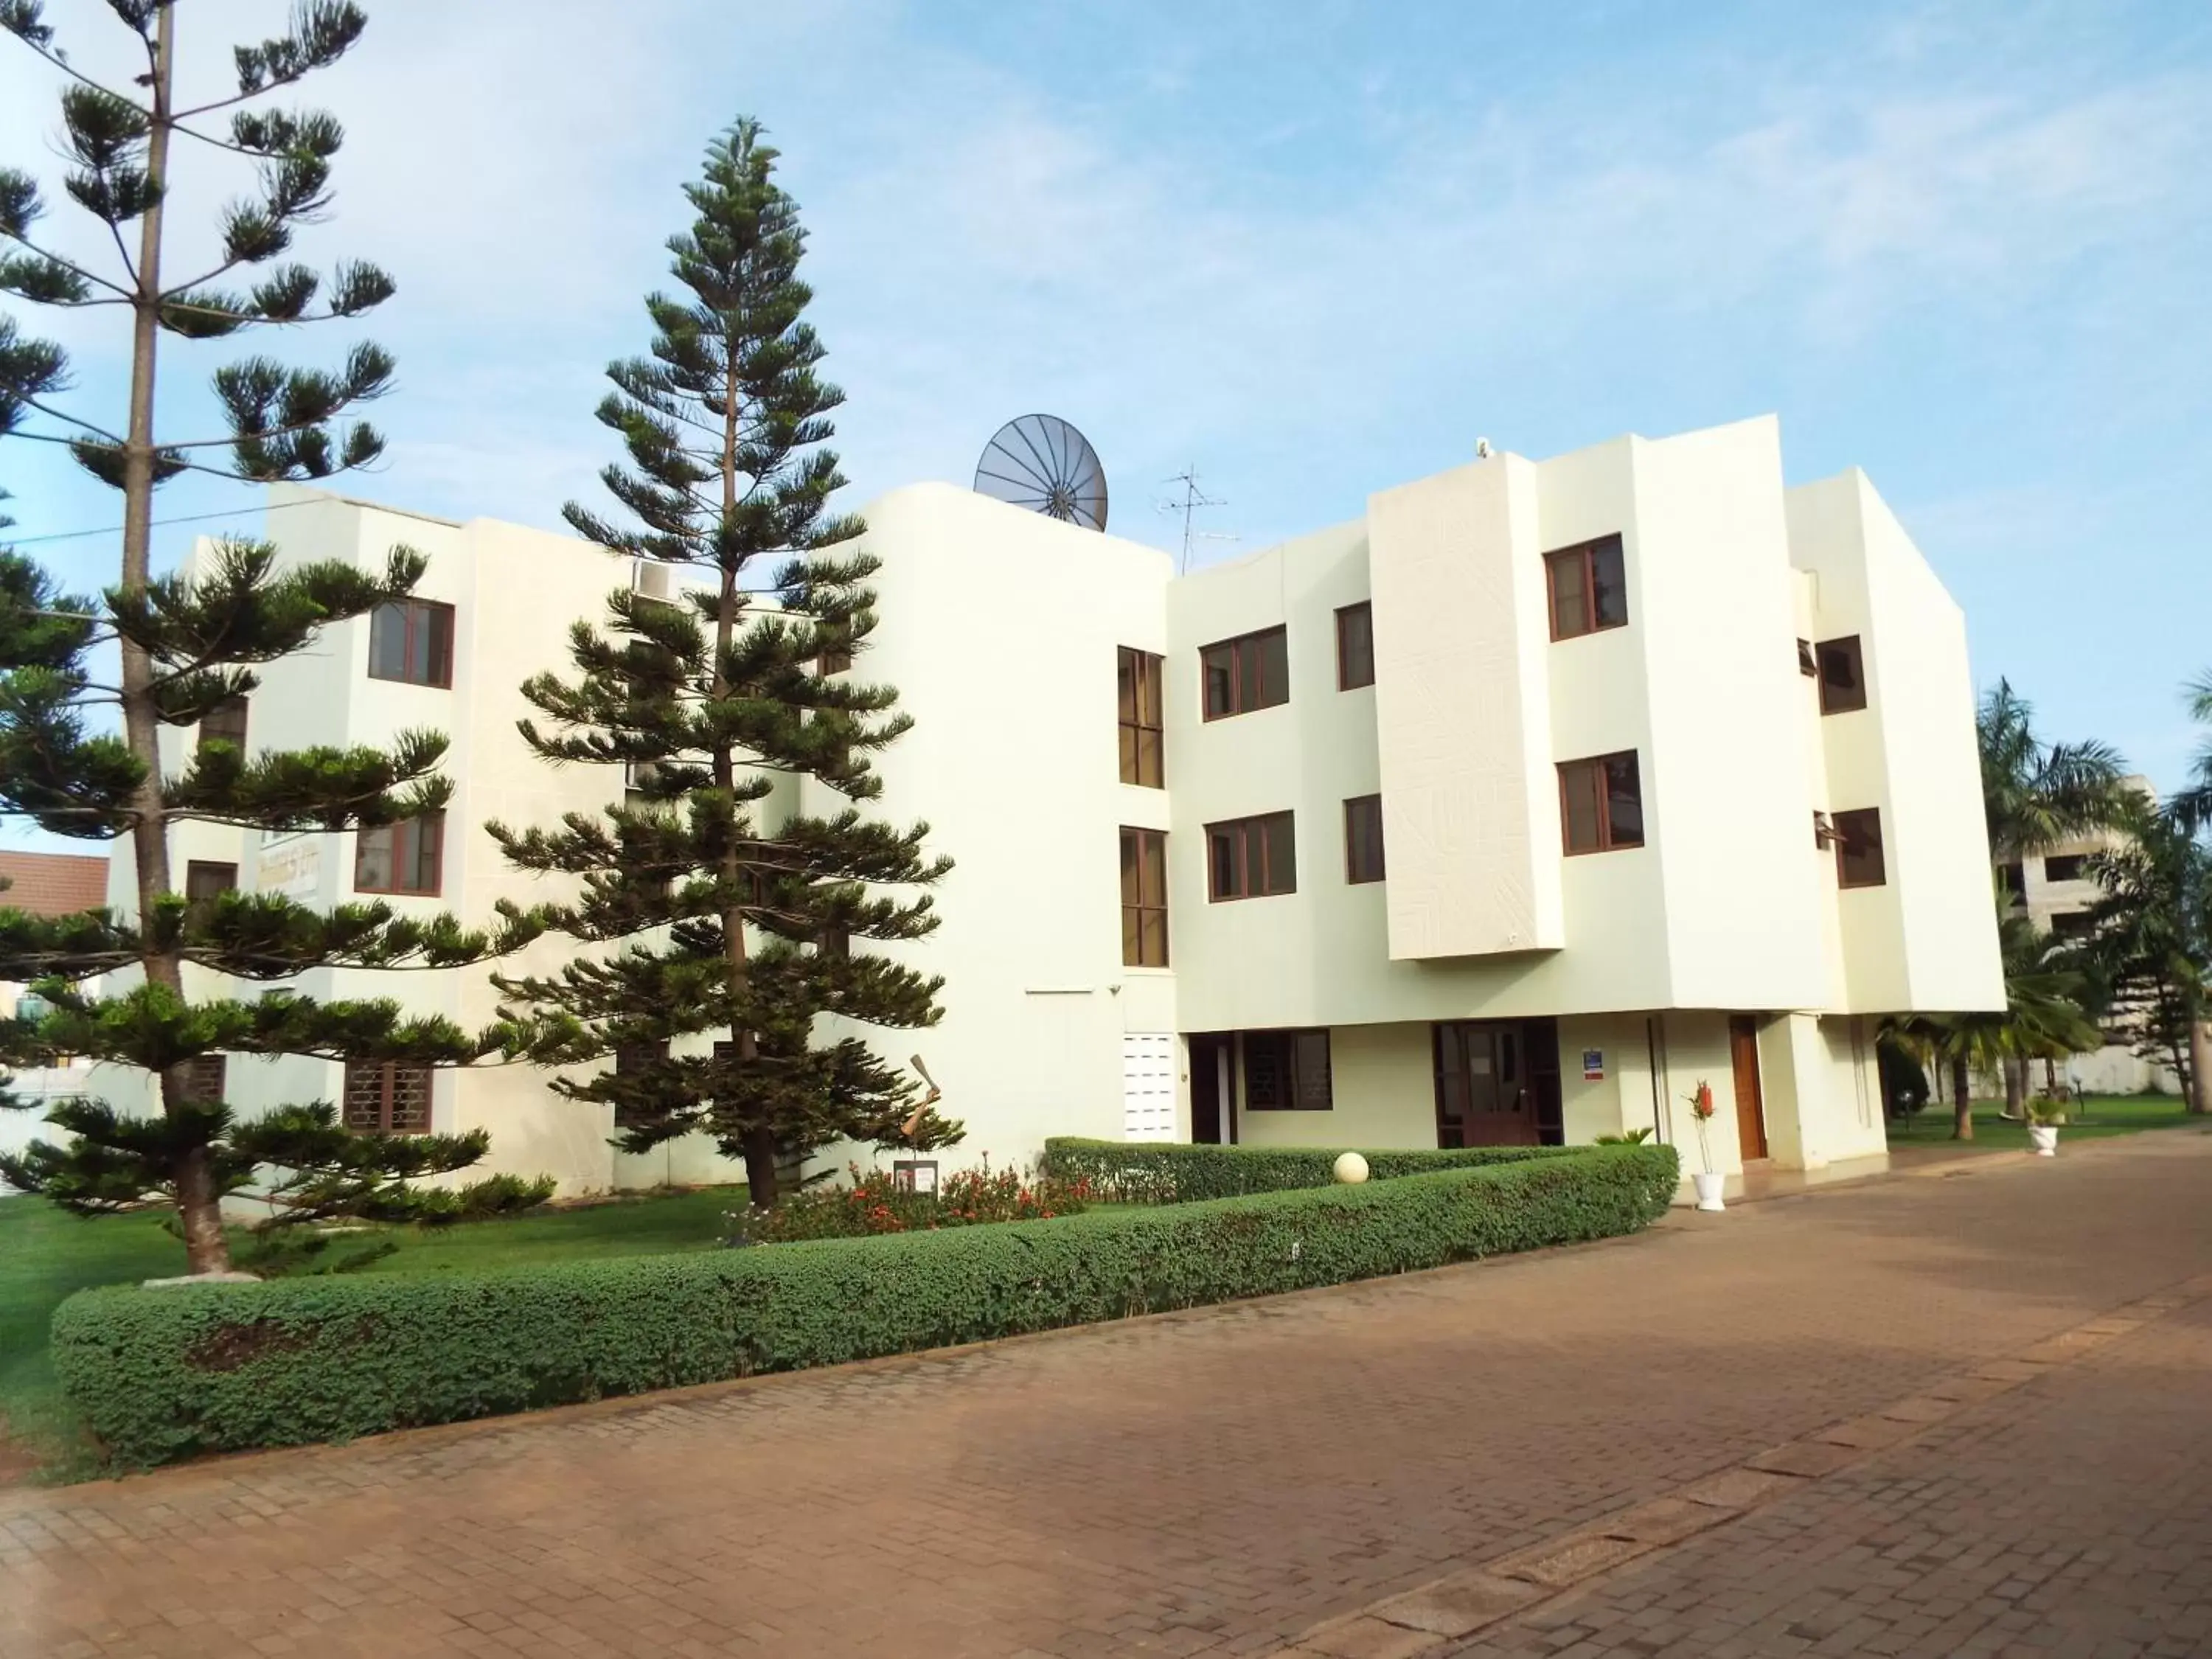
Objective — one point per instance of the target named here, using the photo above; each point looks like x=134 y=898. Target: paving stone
x=1806 y=1458
x=1868 y=1433
x=1562 y=1561
x=1920 y=1408
x=1219 y=1480
x=1370 y=1639
x=1462 y=1603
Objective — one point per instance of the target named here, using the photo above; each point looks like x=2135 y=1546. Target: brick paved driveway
x=1220 y=1480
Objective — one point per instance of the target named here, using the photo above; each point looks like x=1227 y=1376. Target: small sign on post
x=1593 y=1064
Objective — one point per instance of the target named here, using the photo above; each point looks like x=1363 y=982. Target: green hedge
x=163 y=1374
x=1156 y=1172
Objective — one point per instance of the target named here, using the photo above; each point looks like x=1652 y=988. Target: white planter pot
x=1709 y=1190
x=2045 y=1139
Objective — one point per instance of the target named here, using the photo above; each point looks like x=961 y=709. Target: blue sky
x=1318 y=249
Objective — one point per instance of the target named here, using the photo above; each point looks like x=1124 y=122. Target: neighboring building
x=1505 y=813
x=2057 y=891
x=45 y=885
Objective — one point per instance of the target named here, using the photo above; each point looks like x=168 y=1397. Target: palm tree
x=2036 y=794
x=2150 y=944
x=2194 y=804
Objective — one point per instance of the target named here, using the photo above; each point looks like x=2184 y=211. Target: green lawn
x=2104 y=1114
x=46 y=1254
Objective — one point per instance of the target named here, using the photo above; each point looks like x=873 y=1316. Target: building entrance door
x=1485 y=1094
x=1750 y=1110
x=1214 y=1090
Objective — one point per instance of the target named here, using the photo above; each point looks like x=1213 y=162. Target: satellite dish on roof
x=1043 y=463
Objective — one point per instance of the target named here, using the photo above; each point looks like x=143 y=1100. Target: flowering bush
x=872 y=1204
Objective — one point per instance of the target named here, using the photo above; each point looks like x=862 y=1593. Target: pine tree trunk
x=198 y=1208
x=1962 y=1120
x=761 y=1156
x=2015 y=1087
x=2199 y=1094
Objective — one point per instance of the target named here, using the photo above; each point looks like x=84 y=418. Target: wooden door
x=1212 y=1090
x=1483 y=1094
x=1750 y=1110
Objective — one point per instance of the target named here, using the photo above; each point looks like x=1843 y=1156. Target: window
x=2066 y=867
x=1843 y=678
x=2072 y=924
x=387 y=1097
x=835 y=659
x=1355 y=646
x=1808 y=664
x=1143 y=898
x=1602 y=803
x=1249 y=672
x=204 y=882
x=1589 y=588
x=835 y=942
x=204 y=1078
x=1251 y=858
x=2014 y=877
x=400 y=857
x=411 y=640
x=1138 y=674
x=224 y=723
x=1286 y=1071
x=1363 y=839
x=636 y=1059
x=1858 y=849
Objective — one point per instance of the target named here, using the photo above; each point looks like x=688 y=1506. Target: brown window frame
x=1140 y=704
x=834 y=659
x=1607 y=841
x=1352 y=867
x=224 y=723
x=1237 y=647
x=205 y=881
x=1848 y=826
x=1833 y=698
x=1245 y=831
x=206 y=1079
x=1144 y=905
x=436 y=823
x=1364 y=612
x=1585 y=555
x=632 y=1059
x=414 y=614
x=388 y=1074
x=1294 y=1065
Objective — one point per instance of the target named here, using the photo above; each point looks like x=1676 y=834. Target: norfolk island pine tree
x=729 y=914
x=189 y=647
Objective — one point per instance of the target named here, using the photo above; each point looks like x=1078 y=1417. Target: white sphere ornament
x=1351 y=1169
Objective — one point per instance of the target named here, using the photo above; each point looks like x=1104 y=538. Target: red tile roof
x=52 y=883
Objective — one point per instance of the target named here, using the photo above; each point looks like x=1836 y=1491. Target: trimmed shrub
x=1170 y=1172
x=163 y=1374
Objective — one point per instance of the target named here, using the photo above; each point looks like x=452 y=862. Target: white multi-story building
x=1508 y=812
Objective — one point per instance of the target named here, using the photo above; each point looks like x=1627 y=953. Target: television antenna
x=1192 y=500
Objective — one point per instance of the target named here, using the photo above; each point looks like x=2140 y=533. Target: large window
x=205 y=1079
x=400 y=857
x=1355 y=646
x=411 y=640
x=1143 y=898
x=1250 y=672
x=1602 y=803
x=224 y=723
x=387 y=1097
x=205 y=881
x=1142 y=761
x=1286 y=1071
x=1588 y=587
x=1858 y=849
x=1363 y=838
x=1251 y=858
x=1843 y=676
x=2066 y=867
